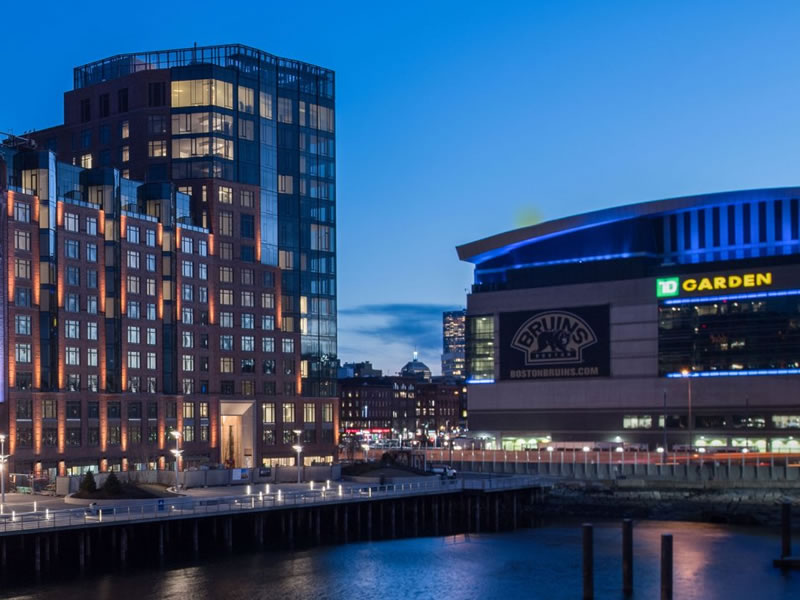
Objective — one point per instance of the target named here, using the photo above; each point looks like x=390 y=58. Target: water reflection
x=710 y=562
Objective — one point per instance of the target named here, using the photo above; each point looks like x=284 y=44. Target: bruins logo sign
x=553 y=337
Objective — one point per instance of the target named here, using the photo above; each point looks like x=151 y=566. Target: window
x=186 y=244
x=284 y=110
x=268 y=344
x=156 y=124
x=133 y=259
x=125 y=154
x=187 y=339
x=327 y=412
x=22 y=353
x=72 y=329
x=248 y=343
x=73 y=303
x=309 y=412
x=247 y=227
x=226 y=319
x=637 y=422
x=157 y=148
x=91 y=252
x=91 y=357
x=289 y=388
x=248 y=387
x=288 y=412
x=268 y=412
x=187 y=361
x=151 y=262
x=157 y=93
x=226 y=274
x=226 y=297
x=187 y=385
x=247 y=276
x=202 y=247
x=225 y=223
x=22 y=240
x=91 y=330
x=226 y=364
x=133 y=309
x=268 y=437
x=226 y=342
x=134 y=361
x=132 y=234
x=132 y=283
x=265 y=105
x=187 y=268
x=91 y=305
x=267 y=322
x=247 y=198
x=122 y=101
x=86 y=161
x=72 y=356
x=225 y=250
x=73 y=276
x=187 y=315
x=150 y=237
x=285 y=184
x=72 y=249
x=268 y=367
x=202 y=92
x=202 y=271
x=248 y=365
x=22 y=324
x=246 y=129
x=151 y=312
x=248 y=321
x=22 y=268
x=22 y=212
x=91 y=279
x=247 y=299
x=151 y=336
x=86 y=110
x=287 y=346
x=246 y=99
x=187 y=292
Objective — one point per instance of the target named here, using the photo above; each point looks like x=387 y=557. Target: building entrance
x=238 y=433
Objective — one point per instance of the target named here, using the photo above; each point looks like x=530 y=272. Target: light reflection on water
x=710 y=562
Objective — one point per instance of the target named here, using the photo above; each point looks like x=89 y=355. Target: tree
x=88 y=484
x=112 y=486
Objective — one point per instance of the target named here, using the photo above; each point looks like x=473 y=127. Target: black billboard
x=555 y=343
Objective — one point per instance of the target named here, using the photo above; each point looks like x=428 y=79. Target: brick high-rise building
x=215 y=278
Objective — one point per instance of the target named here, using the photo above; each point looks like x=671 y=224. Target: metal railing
x=163 y=508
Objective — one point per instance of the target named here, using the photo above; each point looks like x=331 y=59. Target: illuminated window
x=265 y=105
x=288 y=412
x=157 y=148
x=22 y=240
x=246 y=98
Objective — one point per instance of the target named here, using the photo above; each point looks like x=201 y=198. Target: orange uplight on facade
x=160 y=230
x=10 y=203
x=62 y=427
x=123 y=229
x=101 y=221
x=60 y=214
x=211 y=244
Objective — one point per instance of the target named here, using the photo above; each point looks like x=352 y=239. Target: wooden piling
x=195 y=538
x=627 y=557
x=666 y=566
x=588 y=562
x=81 y=551
x=786 y=529
x=123 y=546
x=161 y=542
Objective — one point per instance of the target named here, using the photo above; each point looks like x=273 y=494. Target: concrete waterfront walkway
x=53 y=515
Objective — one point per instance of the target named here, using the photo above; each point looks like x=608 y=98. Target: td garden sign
x=668 y=287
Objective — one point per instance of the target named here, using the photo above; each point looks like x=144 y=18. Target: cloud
x=392 y=330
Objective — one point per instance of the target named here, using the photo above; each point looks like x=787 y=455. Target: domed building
x=416 y=369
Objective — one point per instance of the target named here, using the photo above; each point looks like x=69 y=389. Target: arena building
x=664 y=323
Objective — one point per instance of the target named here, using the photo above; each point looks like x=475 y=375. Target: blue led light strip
x=742 y=373
x=749 y=296
x=563 y=261
x=473 y=381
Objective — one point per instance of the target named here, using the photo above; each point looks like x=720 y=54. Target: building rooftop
x=237 y=56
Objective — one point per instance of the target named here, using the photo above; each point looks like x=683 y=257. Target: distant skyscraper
x=453 y=343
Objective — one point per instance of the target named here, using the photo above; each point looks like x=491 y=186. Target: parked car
x=443 y=470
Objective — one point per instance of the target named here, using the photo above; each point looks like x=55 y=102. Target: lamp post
x=298 y=448
x=177 y=452
x=687 y=374
x=450 y=445
x=3 y=459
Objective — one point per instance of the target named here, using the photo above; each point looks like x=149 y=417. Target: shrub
x=112 y=486
x=88 y=484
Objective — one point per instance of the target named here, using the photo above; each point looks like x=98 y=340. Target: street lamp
x=177 y=452
x=685 y=373
x=3 y=459
x=298 y=448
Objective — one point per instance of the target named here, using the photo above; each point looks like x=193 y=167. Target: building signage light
x=667 y=287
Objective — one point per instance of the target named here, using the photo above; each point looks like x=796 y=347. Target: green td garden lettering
x=667 y=287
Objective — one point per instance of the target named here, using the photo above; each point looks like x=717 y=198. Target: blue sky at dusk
x=458 y=120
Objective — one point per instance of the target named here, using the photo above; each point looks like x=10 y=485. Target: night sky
x=459 y=120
